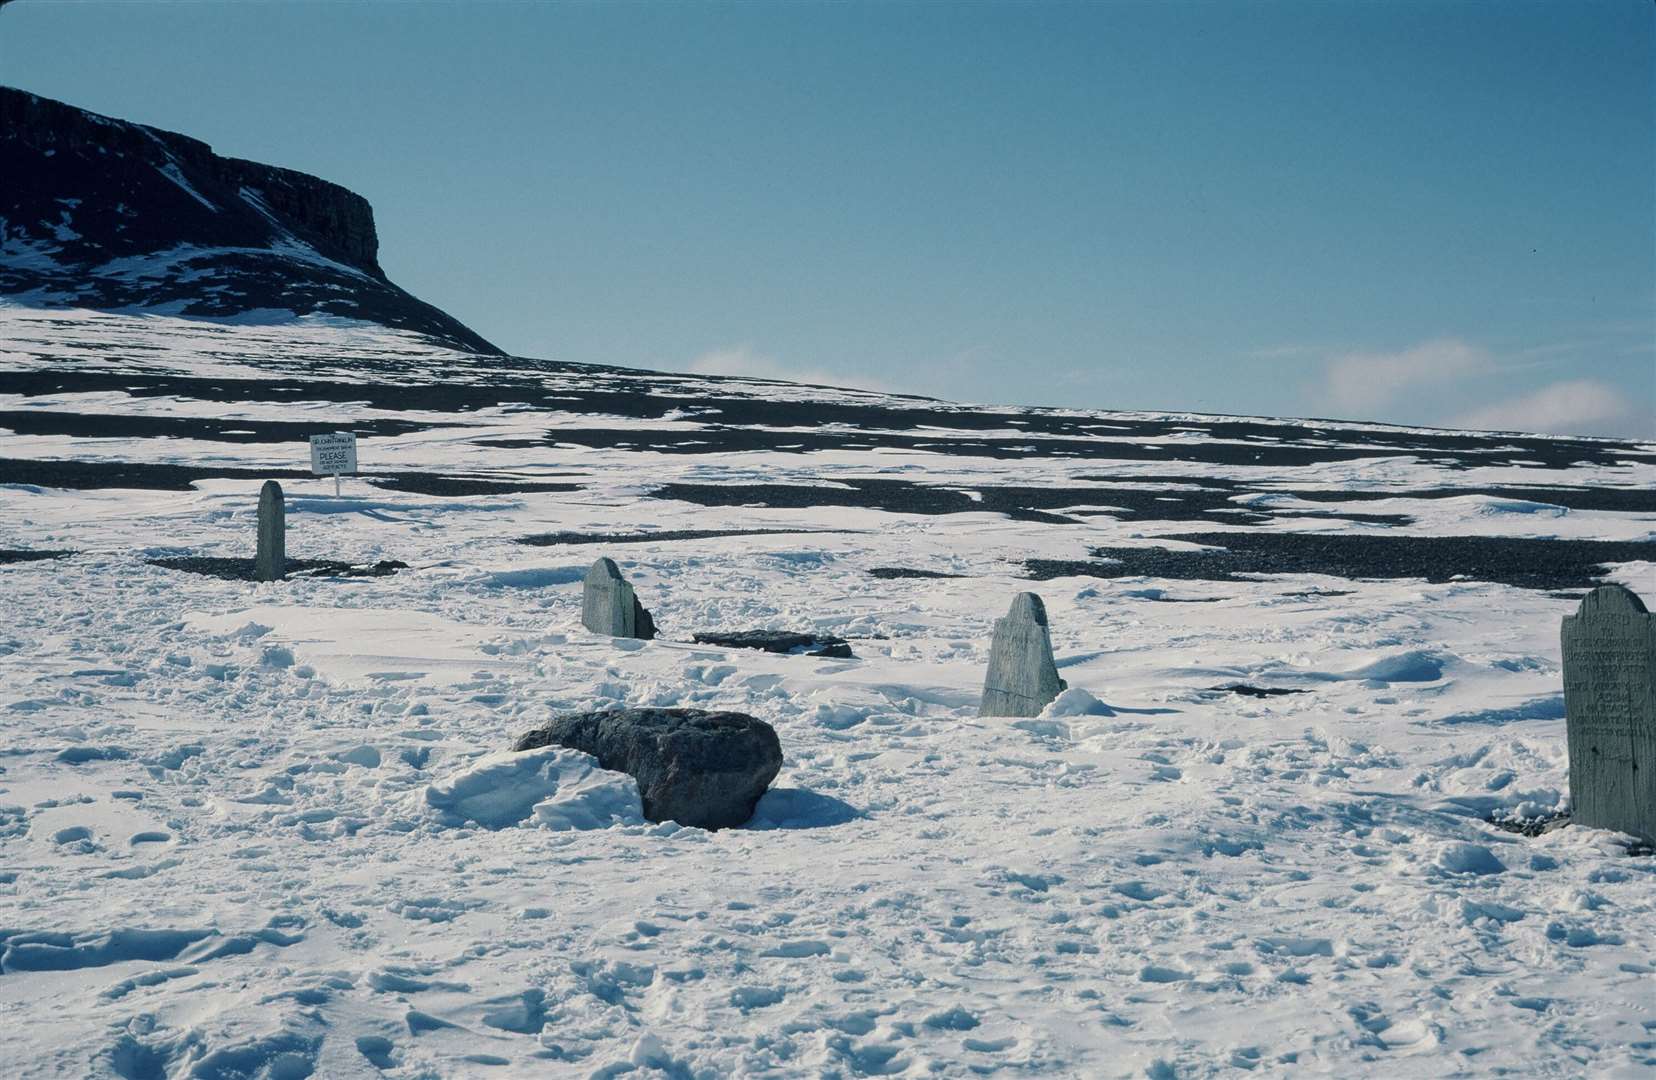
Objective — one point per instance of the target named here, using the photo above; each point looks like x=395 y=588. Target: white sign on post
x=333 y=454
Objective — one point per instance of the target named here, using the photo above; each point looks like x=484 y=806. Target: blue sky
x=1428 y=213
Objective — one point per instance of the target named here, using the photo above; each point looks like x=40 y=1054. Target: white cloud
x=1576 y=407
x=743 y=361
x=1362 y=382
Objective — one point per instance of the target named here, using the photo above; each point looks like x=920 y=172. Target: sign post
x=333 y=454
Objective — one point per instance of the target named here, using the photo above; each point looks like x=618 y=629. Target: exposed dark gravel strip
x=779 y=641
x=896 y=496
x=725 y=440
x=457 y=486
x=1625 y=500
x=1529 y=564
x=435 y=396
x=894 y=572
x=150 y=476
x=552 y=538
x=210 y=429
x=243 y=569
x=1210 y=503
x=155 y=476
x=719 y=439
x=21 y=555
x=1255 y=691
x=1340 y=515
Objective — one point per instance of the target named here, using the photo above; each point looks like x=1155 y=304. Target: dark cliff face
x=103 y=213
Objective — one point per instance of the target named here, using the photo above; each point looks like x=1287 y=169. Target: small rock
x=780 y=641
x=1247 y=690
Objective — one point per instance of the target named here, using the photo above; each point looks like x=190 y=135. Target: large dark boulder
x=780 y=641
x=698 y=768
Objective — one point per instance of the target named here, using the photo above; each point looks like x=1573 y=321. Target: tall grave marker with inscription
x=1610 y=711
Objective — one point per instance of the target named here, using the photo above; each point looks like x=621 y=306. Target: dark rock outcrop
x=233 y=569
x=19 y=555
x=103 y=213
x=698 y=768
x=780 y=641
x=1254 y=691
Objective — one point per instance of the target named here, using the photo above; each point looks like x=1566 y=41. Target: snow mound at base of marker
x=1076 y=702
x=555 y=788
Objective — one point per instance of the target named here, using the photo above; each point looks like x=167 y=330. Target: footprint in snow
x=795 y=950
x=747 y=998
x=377 y=1049
x=1407 y=1036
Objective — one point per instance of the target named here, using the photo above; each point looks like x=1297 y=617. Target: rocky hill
x=107 y=214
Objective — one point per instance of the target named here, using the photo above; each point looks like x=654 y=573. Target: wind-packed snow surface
x=269 y=830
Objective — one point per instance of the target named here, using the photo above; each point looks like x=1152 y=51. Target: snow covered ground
x=267 y=830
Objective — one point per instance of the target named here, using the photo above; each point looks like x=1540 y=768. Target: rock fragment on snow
x=780 y=641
